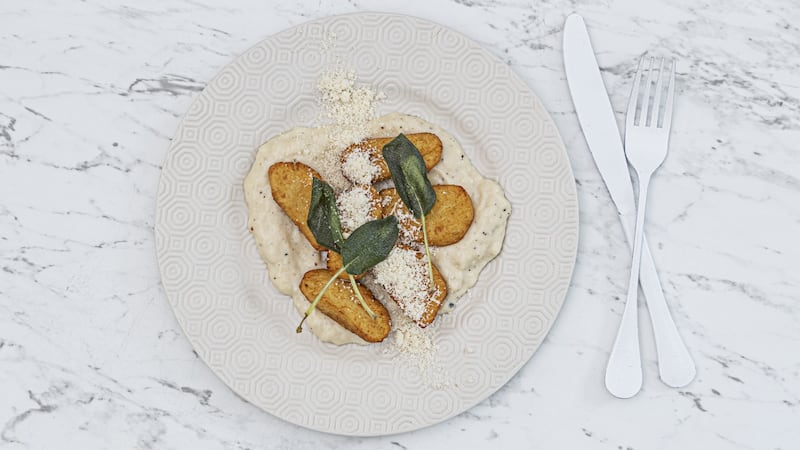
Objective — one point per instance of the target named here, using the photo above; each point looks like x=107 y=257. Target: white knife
x=599 y=126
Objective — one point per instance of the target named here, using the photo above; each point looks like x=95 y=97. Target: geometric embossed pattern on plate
x=219 y=289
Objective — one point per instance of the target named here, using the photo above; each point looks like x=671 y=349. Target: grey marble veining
x=91 y=355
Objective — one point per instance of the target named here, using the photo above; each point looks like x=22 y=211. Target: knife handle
x=675 y=365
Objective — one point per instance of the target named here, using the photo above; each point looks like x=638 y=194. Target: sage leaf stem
x=427 y=252
x=318 y=297
x=360 y=298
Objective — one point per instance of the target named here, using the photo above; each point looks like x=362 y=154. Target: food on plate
x=340 y=304
x=448 y=220
x=401 y=271
x=290 y=183
x=290 y=255
x=363 y=162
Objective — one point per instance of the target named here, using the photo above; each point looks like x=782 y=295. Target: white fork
x=646 y=143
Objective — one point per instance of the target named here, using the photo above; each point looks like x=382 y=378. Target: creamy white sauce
x=288 y=254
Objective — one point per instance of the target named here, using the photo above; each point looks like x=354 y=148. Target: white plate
x=219 y=288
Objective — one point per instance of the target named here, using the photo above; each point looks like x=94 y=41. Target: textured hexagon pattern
x=220 y=290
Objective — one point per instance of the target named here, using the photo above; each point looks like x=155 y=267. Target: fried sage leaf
x=369 y=244
x=323 y=217
x=409 y=175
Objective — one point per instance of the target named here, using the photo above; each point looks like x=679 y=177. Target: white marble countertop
x=91 y=355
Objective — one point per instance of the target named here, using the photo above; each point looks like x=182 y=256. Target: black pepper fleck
x=285 y=254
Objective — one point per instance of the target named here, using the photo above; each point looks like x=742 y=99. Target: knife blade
x=595 y=114
x=599 y=126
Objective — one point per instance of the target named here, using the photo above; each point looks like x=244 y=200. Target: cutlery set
x=647 y=128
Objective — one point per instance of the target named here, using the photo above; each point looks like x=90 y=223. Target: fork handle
x=624 y=370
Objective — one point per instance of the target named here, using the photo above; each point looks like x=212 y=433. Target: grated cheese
x=413 y=341
x=405 y=278
x=347 y=107
x=359 y=168
x=414 y=345
x=410 y=227
x=354 y=206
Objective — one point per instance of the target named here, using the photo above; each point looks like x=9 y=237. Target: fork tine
x=670 y=97
x=631 y=113
x=657 y=98
x=646 y=99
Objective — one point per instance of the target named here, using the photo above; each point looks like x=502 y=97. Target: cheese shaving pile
x=359 y=168
x=410 y=227
x=354 y=207
x=346 y=106
x=405 y=278
x=414 y=345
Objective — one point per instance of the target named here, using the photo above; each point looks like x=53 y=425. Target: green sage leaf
x=409 y=175
x=323 y=217
x=369 y=244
